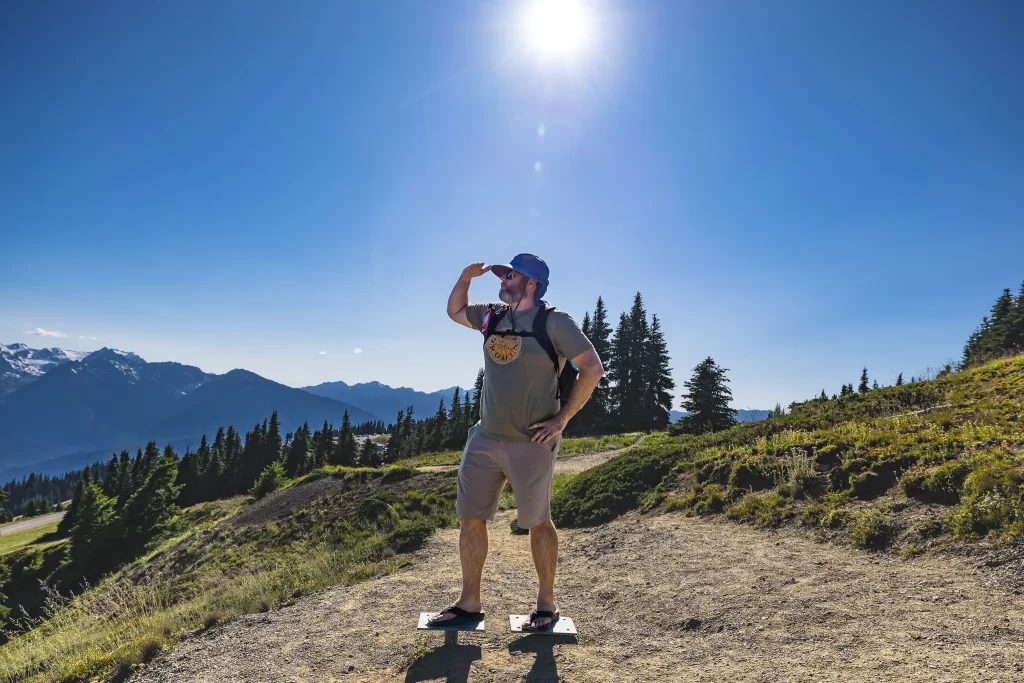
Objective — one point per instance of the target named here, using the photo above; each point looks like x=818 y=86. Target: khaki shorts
x=529 y=468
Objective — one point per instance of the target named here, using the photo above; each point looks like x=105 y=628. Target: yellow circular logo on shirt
x=504 y=348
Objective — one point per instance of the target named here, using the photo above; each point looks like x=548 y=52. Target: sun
x=557 y=29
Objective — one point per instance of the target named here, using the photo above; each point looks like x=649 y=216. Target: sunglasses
x=509 y=275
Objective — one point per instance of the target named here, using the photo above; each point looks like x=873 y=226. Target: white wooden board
x=461 y=626
x=563 y=627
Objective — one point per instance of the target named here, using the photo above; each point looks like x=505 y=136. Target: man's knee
x=473 y=524
x=545 y=527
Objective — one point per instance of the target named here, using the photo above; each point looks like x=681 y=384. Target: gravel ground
x=657 y=598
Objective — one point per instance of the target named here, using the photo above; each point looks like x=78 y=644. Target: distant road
x=30 y=523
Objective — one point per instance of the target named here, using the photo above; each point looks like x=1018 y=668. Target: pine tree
x=899 y=380
x=620 y=372
x=67 y=522
x=323 y=441
x=439 y=428
x=1000 y=331
x=824 y=396
x=135 y=481
x=593 y=417
x=272 y=444
x=394 y=447
x=216 y=466
x=111 y=478
x=149 y=458
x=636 y=406
x=233 y=450
x=467 y=410
x=368 y=454
x=478 y=393
x=90 y=545
x=585 y=327
x=297 y=457
x=1000 y=326
x=707 y=399
x=1015 y=338
x=345 y=450
x=863 y=388
x=874 y=385
x=124 y=476
x=412 y=435
x=658 y=381
x=455 y=431
x=153 y=504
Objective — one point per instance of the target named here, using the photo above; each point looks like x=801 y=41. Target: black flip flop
x=461 y=616
x=540 y=614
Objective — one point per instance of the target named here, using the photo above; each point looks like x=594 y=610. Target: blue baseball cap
x=529 y=265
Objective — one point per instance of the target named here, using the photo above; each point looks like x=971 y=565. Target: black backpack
x=568 y=374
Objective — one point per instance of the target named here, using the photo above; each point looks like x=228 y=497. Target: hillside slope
x=770 y=607
x=929 y=465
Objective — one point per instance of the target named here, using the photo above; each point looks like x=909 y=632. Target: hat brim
x=502 y=269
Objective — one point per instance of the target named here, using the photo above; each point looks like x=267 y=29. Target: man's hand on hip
x=548 y=429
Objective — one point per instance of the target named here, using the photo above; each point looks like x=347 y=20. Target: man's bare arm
x=591 y=372
x=459 y=298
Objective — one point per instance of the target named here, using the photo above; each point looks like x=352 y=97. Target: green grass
x=431 y=459
x=21 y=539
x=953 y=446
x=575 y=446
x=571 y=447
x=211 y=572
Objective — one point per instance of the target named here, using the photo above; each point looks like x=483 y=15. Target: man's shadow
x=544 y=669
x=451 y=661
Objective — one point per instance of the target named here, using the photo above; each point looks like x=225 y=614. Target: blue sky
x=798 y=188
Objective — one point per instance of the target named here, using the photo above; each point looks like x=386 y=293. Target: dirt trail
x=30 y=523
x=573 y=465
x=771 y=607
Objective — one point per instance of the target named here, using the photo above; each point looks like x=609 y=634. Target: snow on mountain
x=20 y=365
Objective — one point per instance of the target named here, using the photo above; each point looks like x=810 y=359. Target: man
x=521 y=422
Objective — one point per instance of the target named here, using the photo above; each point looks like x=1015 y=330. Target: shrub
x=992 y=500
x=703 y=499
x=752 y=475
x=765 y=510
x=799 y=476
x=268 y=481
x=608 y=490
x=872 y=530
x=829 y=512
x=940 y=484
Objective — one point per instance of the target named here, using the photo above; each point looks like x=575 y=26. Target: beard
x=513 y=294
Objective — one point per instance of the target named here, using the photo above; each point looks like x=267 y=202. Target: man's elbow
x=592 y=367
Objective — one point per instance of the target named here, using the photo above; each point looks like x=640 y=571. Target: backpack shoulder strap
x=540 y=333
x=492 y=317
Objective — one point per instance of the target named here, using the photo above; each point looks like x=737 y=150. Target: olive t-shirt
x=520 y=384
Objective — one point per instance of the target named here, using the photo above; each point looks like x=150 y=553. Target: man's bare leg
x=472 y=553
x=544 y=544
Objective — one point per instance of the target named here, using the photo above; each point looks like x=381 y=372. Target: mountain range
x=383 y=400
x=65 y=412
